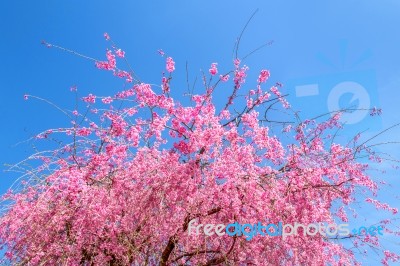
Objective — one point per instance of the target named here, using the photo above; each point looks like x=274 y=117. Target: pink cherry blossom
x=110 y=64
x=170 y=66
x=90 y=98
x=213 y=70
x=107 y=100
x=264 y=75
x=120 y=53
x=224 y=78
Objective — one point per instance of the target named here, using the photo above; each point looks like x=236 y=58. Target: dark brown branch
x=173 y=239
x=216 y=261
x=195 y=253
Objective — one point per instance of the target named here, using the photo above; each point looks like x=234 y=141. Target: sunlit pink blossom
x=120 y=53
x=170 y=66
x=213 y=70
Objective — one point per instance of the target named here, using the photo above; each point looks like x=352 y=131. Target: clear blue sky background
x=315 y=42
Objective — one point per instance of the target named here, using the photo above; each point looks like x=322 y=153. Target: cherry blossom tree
x=141 y=168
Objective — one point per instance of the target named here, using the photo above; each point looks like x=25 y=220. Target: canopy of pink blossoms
x=134 y=175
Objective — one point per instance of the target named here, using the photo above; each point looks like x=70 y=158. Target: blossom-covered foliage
x=124 y=191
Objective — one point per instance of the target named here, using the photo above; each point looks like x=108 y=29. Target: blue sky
x=316 y=44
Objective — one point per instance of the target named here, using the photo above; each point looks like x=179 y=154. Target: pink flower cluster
x=263 y=77
x=110 y=64
x=224 y=78
x=120 y=53
x=282 y=99
x=240 y=75
x=170 y=65
x=213 y=70
x=90 y=98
